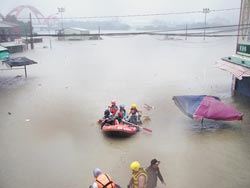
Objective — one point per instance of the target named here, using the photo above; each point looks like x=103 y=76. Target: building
x=239 y=64
x=9 y=31
x=73 y=33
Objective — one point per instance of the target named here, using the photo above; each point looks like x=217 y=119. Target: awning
x=237 y=70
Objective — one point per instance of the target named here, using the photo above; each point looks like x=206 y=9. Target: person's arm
x=141 y=181
x=160 y=177
x=130 y=183
x=140 y=112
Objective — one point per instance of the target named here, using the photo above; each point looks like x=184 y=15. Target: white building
x=73 y=33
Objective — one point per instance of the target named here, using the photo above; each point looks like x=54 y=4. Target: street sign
x=243 y=45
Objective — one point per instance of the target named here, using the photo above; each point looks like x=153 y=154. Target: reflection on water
x=48 y=131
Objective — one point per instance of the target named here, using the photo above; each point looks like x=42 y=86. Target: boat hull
x=120 y=130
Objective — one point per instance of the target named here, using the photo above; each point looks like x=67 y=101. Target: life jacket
x=135 y=178
x=104 y=181
x=121 y=114
x=113 y=109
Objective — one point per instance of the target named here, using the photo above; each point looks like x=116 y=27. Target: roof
x=3 y=49
x=237 y=70
x=77 y=29
x=9 y=44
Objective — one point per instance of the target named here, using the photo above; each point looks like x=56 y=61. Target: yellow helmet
x=133 y=106
x=135 y=166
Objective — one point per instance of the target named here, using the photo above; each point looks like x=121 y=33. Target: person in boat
x=102 y=180
x=121 y=114
x=139 y=176
x=134 y=115
x=108 y=118
x=113 y=108
x=153 y=172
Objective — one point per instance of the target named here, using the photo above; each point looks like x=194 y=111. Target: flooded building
x=239 y=64
x=73 y=33
x=9 y=31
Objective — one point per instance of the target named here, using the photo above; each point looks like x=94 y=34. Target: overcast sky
x=118 y=7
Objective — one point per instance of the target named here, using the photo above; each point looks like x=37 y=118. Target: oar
x=144 y=128
x=148 y=107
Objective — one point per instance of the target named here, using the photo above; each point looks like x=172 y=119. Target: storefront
x=239 y=64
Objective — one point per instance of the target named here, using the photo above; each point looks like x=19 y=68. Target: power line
x=142 y=15
x=202 y=28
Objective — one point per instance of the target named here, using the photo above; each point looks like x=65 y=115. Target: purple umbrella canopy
x=204 y=106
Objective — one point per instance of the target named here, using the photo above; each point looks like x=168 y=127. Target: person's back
x=103 y=180
x=121 y=114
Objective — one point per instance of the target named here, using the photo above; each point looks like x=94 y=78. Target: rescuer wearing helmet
x=139 y=176
x=113 y=108
x=102 y=180
x=134 y=115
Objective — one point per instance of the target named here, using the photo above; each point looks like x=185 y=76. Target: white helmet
x=97 y=172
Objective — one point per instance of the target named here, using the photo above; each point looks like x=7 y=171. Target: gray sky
x=118 y=7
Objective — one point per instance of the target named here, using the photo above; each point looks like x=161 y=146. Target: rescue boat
x=118 y=130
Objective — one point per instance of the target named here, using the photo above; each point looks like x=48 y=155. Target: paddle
x=144 y=128
x=148 y=107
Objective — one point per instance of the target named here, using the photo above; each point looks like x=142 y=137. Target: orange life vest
x=104 y=181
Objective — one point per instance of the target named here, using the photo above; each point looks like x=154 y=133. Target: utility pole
x=186 y=32
x=31 y=34
x=61 y=10
x=99 y=32
x=205 y=11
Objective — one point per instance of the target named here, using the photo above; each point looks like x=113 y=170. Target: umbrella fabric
x=203 y=106
x=19 y=61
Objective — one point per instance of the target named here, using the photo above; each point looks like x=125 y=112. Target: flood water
x=48 y=132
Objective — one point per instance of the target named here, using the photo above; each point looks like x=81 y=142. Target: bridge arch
x=51 y=19
x=16 y=12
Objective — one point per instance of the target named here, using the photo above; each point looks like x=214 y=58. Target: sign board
x=243 y=45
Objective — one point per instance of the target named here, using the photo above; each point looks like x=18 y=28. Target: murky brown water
x=51 y=139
